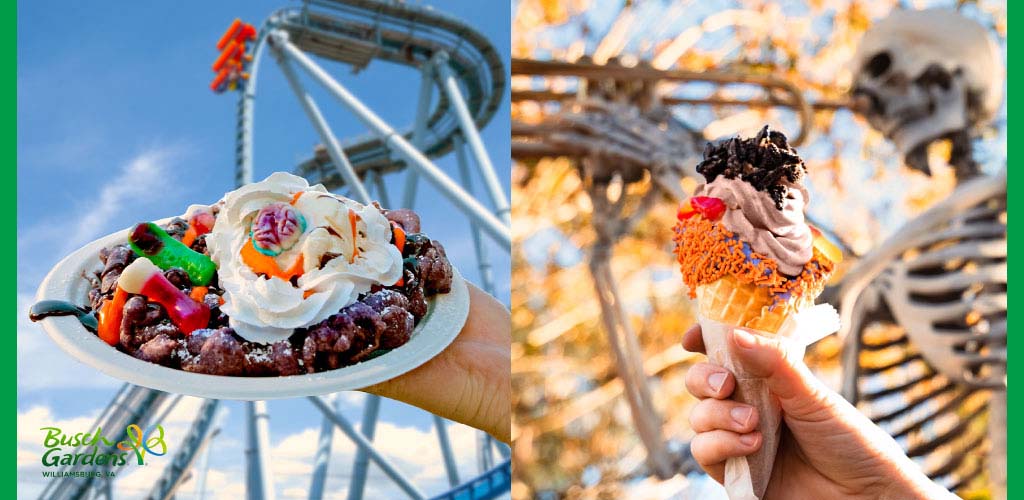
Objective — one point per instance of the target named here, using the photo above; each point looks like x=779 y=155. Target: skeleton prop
x=929 y=75
x=924 y=314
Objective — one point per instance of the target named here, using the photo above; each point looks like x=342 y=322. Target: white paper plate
x=444 y=319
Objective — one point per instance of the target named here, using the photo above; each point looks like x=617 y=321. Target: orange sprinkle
x=296 y=197
x=707 y=251
x=352 y=218
x=308 y=293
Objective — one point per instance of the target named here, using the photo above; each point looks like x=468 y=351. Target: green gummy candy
x=150 y=241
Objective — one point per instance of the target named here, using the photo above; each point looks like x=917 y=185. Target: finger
x=712 y=449
x=705 y=380
x=693 y=339
x=712 y=414
x=800 y=393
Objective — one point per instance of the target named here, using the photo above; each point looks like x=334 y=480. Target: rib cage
x=927 y=343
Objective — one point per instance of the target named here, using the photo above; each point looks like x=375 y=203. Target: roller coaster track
x=388 y=31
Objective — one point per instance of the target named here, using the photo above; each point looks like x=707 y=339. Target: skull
x=926 y=75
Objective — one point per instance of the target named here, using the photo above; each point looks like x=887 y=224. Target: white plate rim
x=445 y=317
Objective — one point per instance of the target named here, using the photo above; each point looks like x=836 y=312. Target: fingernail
x=744 y=339
x=716 y=381
x=741 y=414
x=748 y=439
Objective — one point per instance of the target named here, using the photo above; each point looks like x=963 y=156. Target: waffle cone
x=733 y=302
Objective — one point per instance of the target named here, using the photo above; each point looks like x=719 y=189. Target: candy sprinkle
x=707 y=251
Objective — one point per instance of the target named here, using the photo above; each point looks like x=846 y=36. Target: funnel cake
x=278 y=278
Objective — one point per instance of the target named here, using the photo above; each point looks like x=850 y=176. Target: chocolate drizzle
x=47 y=308
x=766 y=162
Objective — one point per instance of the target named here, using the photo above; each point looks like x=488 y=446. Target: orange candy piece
x=823 y=245
x=267 y=266
x=112 y=311
x=198 y=293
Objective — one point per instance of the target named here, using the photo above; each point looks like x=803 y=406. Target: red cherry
x=685 y=211
x=711 y=208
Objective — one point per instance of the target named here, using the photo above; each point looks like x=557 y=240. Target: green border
x=1014 y=454
x=9 y=136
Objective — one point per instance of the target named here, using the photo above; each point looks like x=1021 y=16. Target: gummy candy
x=710 y=207
x=199 y=224
x=148 y=240
x=277 y=228
x=686 y=211
x=111 y=312
x=142 y=277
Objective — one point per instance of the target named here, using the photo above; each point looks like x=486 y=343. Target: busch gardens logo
x=99 y=450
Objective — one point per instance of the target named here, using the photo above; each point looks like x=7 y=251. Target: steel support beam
x=441 y=425
x=419 y=132
x=338 y=157
x=203 y=467
x=413 y=157
x=503 y=449
x=175 y=473
x=472 y=136
x=484 y=458
x=246 y=116
x=375 y=180
x=368 y=427
x=362 y=443
x=483 y=262
x=259 y=485
x=323 y=455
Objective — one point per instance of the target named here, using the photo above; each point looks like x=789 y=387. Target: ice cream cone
x=750 y=259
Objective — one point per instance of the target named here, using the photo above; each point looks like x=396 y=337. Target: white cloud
x=140 y=183
x=141 y=178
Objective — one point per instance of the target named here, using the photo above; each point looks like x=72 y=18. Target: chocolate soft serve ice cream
x=781 y=235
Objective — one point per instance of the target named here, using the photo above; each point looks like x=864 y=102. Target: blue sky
x=116 y=124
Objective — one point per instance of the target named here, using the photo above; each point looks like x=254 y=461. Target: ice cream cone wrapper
x=746 y=478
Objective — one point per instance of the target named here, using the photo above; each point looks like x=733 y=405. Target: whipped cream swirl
x=343 y=248
x=782 y=235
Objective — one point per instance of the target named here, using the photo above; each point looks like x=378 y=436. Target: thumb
x=801 y=395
